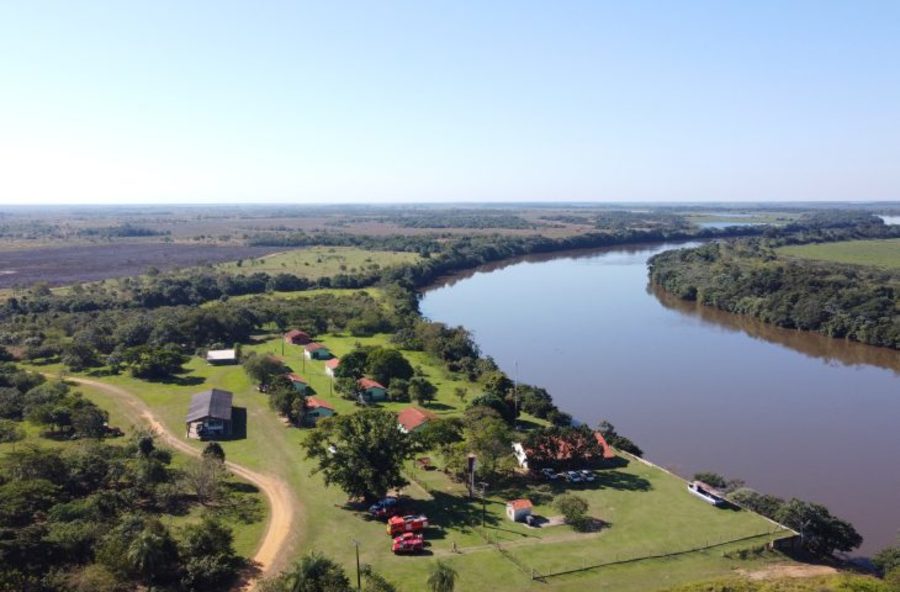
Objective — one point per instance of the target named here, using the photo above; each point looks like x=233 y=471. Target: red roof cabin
x=299 y=383
x=413 y=419
x=316 y=409
x=297 y=337
x=331 y=365
x=317 y=351
x=518 y=509
x=371 y=391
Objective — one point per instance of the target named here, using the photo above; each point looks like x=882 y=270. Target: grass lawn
x=878 y=253
x=648 y=510
x=316 y=262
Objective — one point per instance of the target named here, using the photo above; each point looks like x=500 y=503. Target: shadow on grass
x=179 y=380
x=619 y=480
x=454 y=511
x=238 y=423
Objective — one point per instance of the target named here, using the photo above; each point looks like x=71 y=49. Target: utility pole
x=358 y=575
x=483 y=487
x=516 y=393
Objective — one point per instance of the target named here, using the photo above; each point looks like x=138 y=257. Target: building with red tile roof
x=412 y=419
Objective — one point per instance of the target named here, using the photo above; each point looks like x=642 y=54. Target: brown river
x=791 y=413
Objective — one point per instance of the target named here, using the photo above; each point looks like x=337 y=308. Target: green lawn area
x=878 y=253
x=316 y=262
x=648 y=510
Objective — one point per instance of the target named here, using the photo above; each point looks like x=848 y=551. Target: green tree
x=442 y=577
x=374 y=581
x=490 y=439
x=315 y=573
x=152 y=554
x=384 y=364
x=353 y=365
x=214 y=450
x=887 y=559
x=262 y=368
x=363 y=453
x=399 y=390
x=574 y=509
x=89 y=421
x=421 y=390
x=822 y=534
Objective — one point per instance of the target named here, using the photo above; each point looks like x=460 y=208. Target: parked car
x=586 y=475
x=408 y=542
x=385 y=508
x=400 y=524
x=549 y=474
x=573 y=477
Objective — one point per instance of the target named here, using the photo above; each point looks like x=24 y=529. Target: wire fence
x=625 y=558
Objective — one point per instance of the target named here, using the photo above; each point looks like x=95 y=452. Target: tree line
x=747 y=277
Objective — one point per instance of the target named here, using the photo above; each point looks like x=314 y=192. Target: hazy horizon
x=286 y=102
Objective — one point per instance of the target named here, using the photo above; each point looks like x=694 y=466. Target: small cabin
x=316 y=409
x=221 y=357
x=331 y=365
x=317 y=351
x=518 y=510
x=413 y=419
x=371 y=391
x=297 y=337
x=209 y=415
x=300 y=384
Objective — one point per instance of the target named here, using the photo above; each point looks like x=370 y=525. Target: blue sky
x=192 y=102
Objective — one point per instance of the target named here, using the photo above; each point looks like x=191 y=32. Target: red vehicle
x=400 y=524
x=408 y=542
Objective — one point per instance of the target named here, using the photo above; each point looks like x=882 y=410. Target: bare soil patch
x=60 y=266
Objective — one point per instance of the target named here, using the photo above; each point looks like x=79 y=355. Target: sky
x=168 y=101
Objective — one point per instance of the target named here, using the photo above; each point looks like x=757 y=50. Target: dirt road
x=274 y=542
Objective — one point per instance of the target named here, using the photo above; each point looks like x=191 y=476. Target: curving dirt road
x=281 y=519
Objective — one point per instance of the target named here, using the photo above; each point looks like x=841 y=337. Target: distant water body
x=792 y=413
x=891 y=219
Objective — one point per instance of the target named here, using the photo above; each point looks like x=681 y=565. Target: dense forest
x=747 y=277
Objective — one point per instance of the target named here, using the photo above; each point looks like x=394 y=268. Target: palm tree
x=146 y=554
x=317 y=573
x=442 y=578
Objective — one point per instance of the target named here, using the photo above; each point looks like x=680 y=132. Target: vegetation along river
x=793 y=414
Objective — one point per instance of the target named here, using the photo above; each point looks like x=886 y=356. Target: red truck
x=401 y=524
x=408 y=542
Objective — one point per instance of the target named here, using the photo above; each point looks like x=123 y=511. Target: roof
x=296 y=333
x=311 y=347
x=333 y=363
x=314 y=403
x=607 y=451
x=221 y=354
x=296 y=378
x=519 y=504
x=412 y=417
x=213 y=403
x=563 y=451
x=368 y=383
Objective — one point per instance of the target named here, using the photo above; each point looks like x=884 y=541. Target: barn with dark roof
x=209 y=416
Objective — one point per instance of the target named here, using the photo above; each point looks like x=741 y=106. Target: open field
x=59 y=266
x=878 y=253
x=647 y=510
x=316 y=262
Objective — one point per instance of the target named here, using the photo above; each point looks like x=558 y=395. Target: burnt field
x=59 y=266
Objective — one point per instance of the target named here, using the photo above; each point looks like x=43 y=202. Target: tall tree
x=362 y=453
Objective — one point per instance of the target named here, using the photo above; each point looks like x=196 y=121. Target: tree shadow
x=435 y=406
x=458 y=512
x=623 y=481
x=177 y=380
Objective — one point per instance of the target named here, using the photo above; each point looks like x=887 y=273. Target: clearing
x=317 y=262
x=877 y=253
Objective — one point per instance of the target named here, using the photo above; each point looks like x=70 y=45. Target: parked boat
x=709 y=494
